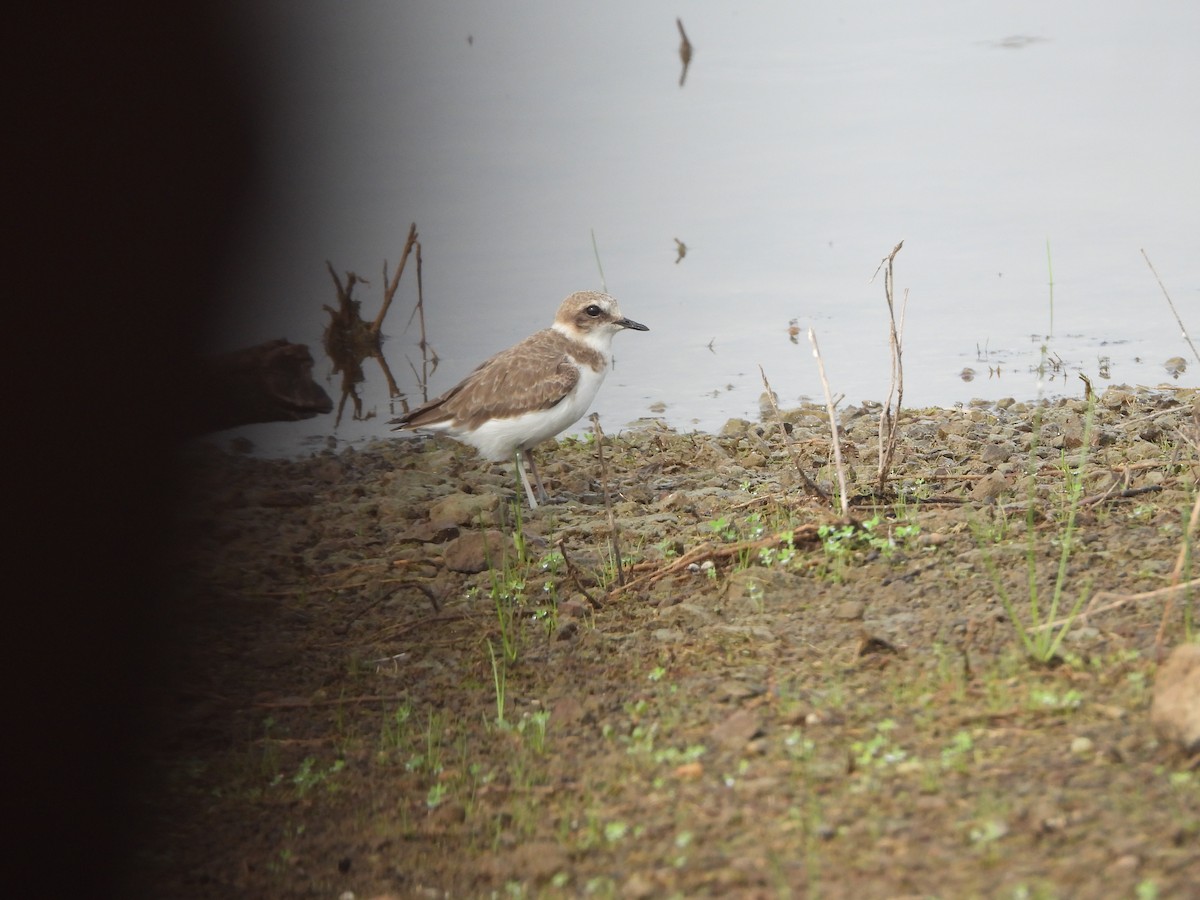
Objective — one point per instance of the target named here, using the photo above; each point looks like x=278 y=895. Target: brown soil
x=842 y=716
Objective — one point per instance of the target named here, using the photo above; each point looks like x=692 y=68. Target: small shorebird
x=530 y=392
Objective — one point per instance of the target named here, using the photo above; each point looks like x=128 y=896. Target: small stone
x=989 y=488
x=638 y=887
x=1081 y=746
x=476 y=551
x=736 y=731
x=1175 y=710
x=849 y=610
x=994 y=454
x=460 y=509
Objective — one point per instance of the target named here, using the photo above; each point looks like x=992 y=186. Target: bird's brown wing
x=535 y=374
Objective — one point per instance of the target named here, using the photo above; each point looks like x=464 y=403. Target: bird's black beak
x=629 y=323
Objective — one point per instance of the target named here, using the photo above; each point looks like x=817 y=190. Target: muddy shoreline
x=399 y=682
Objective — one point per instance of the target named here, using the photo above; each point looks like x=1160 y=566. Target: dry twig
x=889 y=420
x=809 y=485
x=833 y=426
x=1182 y=329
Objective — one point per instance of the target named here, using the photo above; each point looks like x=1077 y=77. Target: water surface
x=804 y=144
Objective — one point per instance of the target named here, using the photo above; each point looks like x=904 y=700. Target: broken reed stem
x=809 y=485
x=833 y=426
x=389 y=287
x=1177 y=572
x=1050 y=275
x=614 y=535
x=599 y=265
x=420 y=311
x=1182 y=330
x=889 y=421
x=802 y=534
x=574 y=575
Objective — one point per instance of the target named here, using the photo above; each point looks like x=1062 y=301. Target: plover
x=530 y=392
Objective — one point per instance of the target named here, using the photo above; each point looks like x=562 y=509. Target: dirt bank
x=399 y=683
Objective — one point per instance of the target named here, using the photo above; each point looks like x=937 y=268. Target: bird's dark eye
x=593 y=310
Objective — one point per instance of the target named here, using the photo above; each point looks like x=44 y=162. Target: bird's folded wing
x=533 y=375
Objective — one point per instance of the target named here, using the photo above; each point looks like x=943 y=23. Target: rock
x=1175 y=711
x=989 y=488
x=1081 y=746
x=993 y=454
x=638 y=887
x=476 y=551
x=460 y=509
x=849 y=610
x=735 y=732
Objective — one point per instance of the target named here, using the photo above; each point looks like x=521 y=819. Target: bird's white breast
x=499 y=439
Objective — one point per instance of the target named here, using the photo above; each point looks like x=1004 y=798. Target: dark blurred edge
x=130 y=150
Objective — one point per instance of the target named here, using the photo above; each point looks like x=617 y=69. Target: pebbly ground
x=397 y=682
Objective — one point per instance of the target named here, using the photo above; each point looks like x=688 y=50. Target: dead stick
x=809 y=484
x=389 y=287
x=833 y=426
x=573 y=575
x=1172 y=305
x=1177 y=572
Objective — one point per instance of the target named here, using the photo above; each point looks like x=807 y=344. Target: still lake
x=1008 y=145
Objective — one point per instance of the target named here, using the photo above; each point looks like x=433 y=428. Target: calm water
x=804 y=145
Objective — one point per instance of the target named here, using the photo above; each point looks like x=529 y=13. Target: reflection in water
x=349 y=339
x=1017 y=41
x=511 y=130
x=685 y=51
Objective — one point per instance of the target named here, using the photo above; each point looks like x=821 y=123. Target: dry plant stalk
x=833 y=426
x=803 y=534
x=889 y=420
x=1172 y=305
x=809 y=485
x=614 y=534
x=390 y=286
x=1177 y=572
x=573 y=574
x=1117 y=600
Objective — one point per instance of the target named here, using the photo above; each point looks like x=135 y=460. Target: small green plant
x=269 y=763
x=724 y=528
x=1047 y=699
x=394 y=734
x=506 y=588
x=1042 y=633
x=499 y=682
x=533 y=728
x=308 y=776
x=842 y=542
x=958 y=752
x=436 y=794
x=878 y=751
x=770 y=556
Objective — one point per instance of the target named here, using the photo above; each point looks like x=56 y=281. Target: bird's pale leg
x=542 y=495
x=525 y=478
